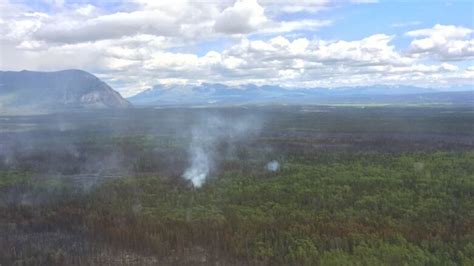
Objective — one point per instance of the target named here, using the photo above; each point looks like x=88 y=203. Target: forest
x=347 y=186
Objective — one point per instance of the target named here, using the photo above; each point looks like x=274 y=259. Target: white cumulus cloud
x=243 y=17
x=444 y=42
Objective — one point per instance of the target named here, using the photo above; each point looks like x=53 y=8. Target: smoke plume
x=273 y=166
x=207 y=135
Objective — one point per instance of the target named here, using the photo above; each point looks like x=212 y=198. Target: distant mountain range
x=220 y=94
x=56 y=90
x=77 y=89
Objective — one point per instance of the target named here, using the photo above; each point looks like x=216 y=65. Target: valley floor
x=356 y=186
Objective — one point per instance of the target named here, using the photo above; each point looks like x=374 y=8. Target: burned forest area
x=243 y=185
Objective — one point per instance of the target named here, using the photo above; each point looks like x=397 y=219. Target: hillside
x=56 y=90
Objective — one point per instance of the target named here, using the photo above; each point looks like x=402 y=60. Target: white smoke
x=207 y=134
x=273 y=166
x=200 y=164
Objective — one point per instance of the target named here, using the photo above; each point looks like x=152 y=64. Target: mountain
x=56 y=90
x=220 y=94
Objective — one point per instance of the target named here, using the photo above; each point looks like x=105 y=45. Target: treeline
x=338 y=209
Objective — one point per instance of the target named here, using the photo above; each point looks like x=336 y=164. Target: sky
x=135 y=44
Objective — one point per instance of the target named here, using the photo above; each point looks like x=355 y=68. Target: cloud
x=243 y=17
x=292 y=26
x=87 y=10
x=186 y=21
x=303 y=62
x=295 y=6
x=443 y=42
x=109 y=27
x=143 y=43
x=76 y=23
x=405 y=24
x=306 y=6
